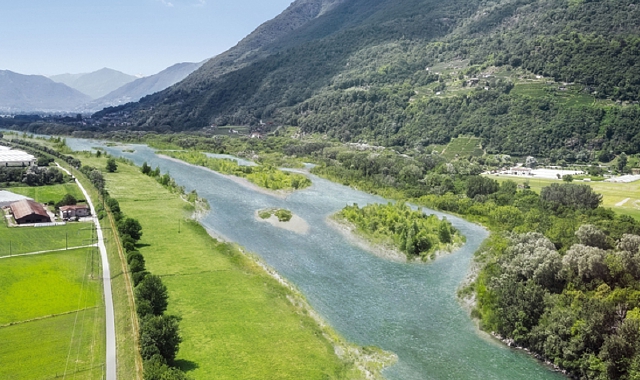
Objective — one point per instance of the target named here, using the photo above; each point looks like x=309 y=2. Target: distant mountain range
x=76 y=93
x=139 y=88
x=96 y=84
x=29 y=93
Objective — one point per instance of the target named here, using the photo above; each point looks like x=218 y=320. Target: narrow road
x=110 y=361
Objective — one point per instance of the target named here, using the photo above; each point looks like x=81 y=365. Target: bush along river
x=408 y=309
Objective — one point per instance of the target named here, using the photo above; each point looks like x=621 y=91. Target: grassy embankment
x=623 y=198
x=51 y=316
x=237 y=321
x=129 y=362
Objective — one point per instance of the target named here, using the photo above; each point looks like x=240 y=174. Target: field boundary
x=47 y=317
x=49 y=251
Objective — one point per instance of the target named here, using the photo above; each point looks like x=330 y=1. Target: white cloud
x=201 y=3
x=166 y=3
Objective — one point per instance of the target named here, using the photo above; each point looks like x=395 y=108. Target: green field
x=237 y=322
x=463 y=146
x=624 y=198
x=46 y=284
x=45 y=194
x=51 y=316
x=19 y=240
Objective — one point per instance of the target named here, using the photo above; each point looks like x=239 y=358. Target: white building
x=15 y=158
x=7 y=198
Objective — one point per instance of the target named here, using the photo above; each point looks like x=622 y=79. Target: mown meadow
x=51 y=316
x=20 y=240
x=46 y=194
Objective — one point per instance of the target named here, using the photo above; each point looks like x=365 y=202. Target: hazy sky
x=134 y=36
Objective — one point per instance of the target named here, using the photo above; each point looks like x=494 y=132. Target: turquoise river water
x=408 y=309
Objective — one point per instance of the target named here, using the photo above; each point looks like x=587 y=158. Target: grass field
x=52 y=283
x=51 y=316
x=624 y=198
x=45 y=194
x=237 y=322
x=18 y=240
x=463 y=146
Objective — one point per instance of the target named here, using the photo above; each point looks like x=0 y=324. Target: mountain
x=36 y=93
x=96 y=84
x=133 y=91
x=539 y=77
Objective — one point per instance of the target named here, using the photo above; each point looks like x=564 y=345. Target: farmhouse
x=15 y=158
x=7 y=198
x=28 y=211
x=74 y=211
x=519 y=170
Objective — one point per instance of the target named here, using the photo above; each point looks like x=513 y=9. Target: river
x=408 y=309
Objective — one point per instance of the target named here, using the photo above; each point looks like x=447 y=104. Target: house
x=28 y=211
x=519 y=170
x=74 y=211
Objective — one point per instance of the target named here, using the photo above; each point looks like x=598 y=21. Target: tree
x=570 y=195
x=131 y=227
x=590 y=235
x=153 y=291
x=67 y=200
x=622 y=162
x=567 y=178
x=146 y=169
x=111 y=165
x=97 y=179
x=160 y=335
x=156 y=369
x=478 y=185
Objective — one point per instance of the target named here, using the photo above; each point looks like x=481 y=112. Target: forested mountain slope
x=557 y=78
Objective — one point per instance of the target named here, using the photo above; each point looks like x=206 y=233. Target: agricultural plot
x=20 y=240
x=51 y=316
x=623 y=198
x=46 y=194
x=463 y=147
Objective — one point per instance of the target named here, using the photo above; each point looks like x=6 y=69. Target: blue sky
x=49 y=37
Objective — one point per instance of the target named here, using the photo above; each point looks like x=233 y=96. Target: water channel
x=407 y=309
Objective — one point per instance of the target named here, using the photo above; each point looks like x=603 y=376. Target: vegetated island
x=282 y=218
x=395 y=231
x=264 y=176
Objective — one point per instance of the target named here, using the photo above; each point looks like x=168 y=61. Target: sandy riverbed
x=296 y=224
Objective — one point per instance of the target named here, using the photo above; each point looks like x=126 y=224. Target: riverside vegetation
x=265 y=176
x=414 y=233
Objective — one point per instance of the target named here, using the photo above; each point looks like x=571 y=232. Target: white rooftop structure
x=10 y=157
x=7 y=198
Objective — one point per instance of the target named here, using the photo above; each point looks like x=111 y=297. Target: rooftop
x=27 y=207
x=14 y=155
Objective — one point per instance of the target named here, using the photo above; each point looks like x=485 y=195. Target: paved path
x=106 y=287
